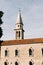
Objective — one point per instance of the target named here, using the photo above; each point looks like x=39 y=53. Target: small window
x=30 y=63
x=16 y=52
x=30 y=51
x=5 y=63
x=6 y=52
x=16 y=63
x=42 y=51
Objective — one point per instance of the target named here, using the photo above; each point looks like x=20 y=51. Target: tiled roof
x=23 y=41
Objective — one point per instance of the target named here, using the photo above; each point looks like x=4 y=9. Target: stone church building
x=21 y=51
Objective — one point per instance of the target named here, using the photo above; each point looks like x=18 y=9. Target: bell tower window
x=19 y=33
x=16 y=33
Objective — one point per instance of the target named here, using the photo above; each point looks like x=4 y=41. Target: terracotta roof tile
x=24 y=41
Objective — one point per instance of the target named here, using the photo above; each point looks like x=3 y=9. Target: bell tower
x=19 y=31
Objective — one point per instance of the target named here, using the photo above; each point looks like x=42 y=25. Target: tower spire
x=19 y=31
x=19 y=18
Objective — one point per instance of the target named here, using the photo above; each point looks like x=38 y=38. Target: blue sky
x=32 y=16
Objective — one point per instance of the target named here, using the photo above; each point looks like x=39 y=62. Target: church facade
x=21 y=51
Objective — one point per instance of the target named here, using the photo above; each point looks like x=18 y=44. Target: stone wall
x=23 y=57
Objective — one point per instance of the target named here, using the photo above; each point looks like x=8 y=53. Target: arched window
x=16 y=52
x=19 y=33
x=6 y=52
x=5 y=63
x=30 y=51
x=42 y=51
x=30 y=63
x=16 y=63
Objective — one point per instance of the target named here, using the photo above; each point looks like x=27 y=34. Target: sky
x=32 y=16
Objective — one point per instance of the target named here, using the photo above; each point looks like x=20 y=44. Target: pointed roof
x=19 y=18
